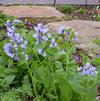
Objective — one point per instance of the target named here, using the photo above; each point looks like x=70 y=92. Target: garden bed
x=79 y=12
x=38 y=65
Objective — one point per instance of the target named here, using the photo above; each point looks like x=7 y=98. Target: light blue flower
x=53 y=43
x=75 y=39
x=18 y=38
x=38 y=28
x=16 y=47
x=17 y=21
x=16 y=58
x=26 y=57
x=37 y=42
x=8 y=23
x=49 y=35
x=53 y=40
x=7 y=50
x=9 y=29
x=36 y=36
x=61 y=30
x=41 y=52
x=44 y=38
x=23 y=46
x=44 y=31
x=84 y=72
x=87 y=66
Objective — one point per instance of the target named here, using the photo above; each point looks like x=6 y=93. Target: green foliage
x=53 y=77
x=82 y=10
x=66 y=8
x=4 y=18
x=97 y=41
x=97 y=17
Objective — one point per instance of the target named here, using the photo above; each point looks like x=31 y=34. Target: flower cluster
x=42 y=34
x=67 y=32
x=87 y=70
x=16 y=41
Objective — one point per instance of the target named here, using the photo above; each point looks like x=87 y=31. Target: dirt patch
x=80 y=12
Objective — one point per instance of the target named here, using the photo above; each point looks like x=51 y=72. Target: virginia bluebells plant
x=16 y=41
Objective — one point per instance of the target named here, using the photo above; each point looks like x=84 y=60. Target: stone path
x=10 y=2
x=87 y=32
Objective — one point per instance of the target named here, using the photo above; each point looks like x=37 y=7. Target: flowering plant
x=38 y=65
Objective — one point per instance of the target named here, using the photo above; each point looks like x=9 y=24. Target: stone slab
x=31 y=11
x=87 y=32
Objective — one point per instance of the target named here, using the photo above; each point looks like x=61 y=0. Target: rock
x=32 y=11
x=87 y=32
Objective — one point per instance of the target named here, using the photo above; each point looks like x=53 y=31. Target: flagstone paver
x=87 y=32
x=31 y=11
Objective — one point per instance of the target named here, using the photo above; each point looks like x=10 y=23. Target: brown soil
x=88 y=14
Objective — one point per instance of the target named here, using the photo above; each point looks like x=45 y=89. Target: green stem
x=37 y=56
x=30 y=73
x=51 y=67
x=43 y=92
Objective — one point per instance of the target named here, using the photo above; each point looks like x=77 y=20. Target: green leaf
x=60 y=54
x=71 y=50
x=58 y=65
x=45 y=77
x=2 y=69
x=26 y=87
x=85 y=59
x=52 y=51
x=97 y=41
x=65 y=45
x=51 y=96
x=77 y=87
x=43 y=44
x=72 y=35
x=96 y=61
x=3 y=60
x=65 y=88
x=12 y=70
x=8 y=79
x=38 y=98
